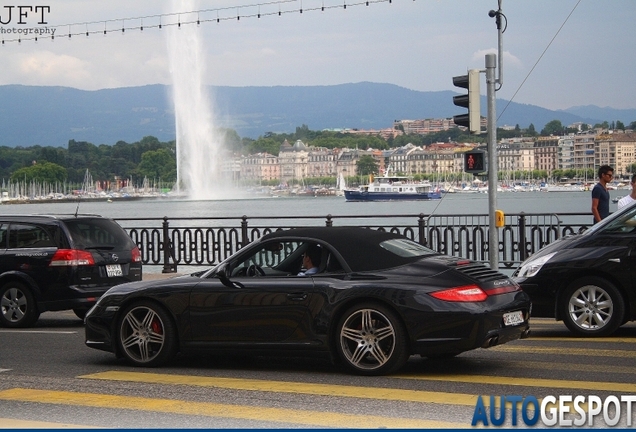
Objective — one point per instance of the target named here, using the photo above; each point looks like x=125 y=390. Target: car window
x=4 y=231
x=29 y=236
x=97 y=233
x=623 y=224
x=274 y=258
x=406 y=248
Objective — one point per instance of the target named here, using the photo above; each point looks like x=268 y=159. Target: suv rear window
x=98 y=233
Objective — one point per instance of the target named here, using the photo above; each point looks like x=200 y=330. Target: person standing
x=600 y=194
x=628 y=199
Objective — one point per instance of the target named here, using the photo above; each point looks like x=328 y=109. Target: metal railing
x=174 y=242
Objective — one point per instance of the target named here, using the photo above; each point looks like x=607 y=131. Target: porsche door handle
x=297 y=296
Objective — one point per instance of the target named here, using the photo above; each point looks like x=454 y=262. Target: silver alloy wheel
x=367 y=339
x=14 y=305
x=142 y=334
x=590 y=307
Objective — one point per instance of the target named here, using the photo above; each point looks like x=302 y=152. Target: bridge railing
x=174 y=242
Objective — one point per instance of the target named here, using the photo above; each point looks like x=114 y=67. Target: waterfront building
x=516 y=154
x=584 y=151
x=322 y=162
x=260 y=167
x=434 y=161
x=545 y=154
x=617 y=150
x=398 y=160
x=565 y=153
x=347 y=162
x=293 y=161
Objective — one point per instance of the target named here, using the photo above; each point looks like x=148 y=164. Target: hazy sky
x=417 y=44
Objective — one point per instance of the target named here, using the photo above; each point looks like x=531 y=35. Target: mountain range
x=51 y=116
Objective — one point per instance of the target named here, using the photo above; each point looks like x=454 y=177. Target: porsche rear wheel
x=593 y=307
x=372 y=340
x=146 y=335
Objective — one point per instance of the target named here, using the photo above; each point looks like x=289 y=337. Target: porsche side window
x=272 y=258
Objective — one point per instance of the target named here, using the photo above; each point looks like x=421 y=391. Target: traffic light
x=472 y=120
x=475 y=162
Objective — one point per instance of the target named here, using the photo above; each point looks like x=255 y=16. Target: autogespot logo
x=560 y=411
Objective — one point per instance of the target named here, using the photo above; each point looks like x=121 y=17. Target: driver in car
x=311 y=260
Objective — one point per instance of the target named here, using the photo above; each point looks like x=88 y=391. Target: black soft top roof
x=360 y=247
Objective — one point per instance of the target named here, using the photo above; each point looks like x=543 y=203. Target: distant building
x=260 y=167
x=617 y=150
x=321 y=162
x=293 y=161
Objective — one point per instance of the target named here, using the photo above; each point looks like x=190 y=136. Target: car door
x=4 y=234
x=29 y=251
x=618 y=238
x=259 y=308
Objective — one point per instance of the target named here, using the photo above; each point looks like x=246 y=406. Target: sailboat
x=341 y=185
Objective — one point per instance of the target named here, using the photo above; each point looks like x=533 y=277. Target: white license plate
x=113 y=270
x=513 y=318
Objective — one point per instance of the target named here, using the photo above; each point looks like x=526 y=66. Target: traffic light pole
x=493 y=233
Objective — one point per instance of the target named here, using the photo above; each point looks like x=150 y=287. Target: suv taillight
x=136 y=254
x=71 y=257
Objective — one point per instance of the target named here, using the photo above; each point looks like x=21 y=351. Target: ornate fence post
x=522 y=237
x=421 y=227
x=244 y=236
x=167 y=249
x=329 y=222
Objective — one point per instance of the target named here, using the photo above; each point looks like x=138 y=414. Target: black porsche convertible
x=376 y=299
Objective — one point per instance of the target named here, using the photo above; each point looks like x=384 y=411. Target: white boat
x=392 y=188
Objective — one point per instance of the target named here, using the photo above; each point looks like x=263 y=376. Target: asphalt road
x=50 y=379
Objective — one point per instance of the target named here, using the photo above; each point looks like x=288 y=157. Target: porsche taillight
x=467 y=293
x=71 y=257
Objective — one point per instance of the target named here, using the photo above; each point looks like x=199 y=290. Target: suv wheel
x=17 y=306
x=592 y=307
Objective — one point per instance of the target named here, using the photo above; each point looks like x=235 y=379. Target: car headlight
x=531 y=267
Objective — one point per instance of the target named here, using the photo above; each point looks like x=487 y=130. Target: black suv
x=60 y=262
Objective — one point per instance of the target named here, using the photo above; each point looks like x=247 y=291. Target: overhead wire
x=160 y=19
x=539 y=59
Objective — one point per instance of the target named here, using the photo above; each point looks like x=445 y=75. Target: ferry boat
x=392 y=188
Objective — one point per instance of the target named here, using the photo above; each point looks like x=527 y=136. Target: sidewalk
x=156 y=276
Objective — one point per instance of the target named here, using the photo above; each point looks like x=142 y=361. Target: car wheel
x=371 y=340
x=17 y=306
x=592 y=307
x=146 y=334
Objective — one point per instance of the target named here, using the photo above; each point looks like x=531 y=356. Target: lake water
x=454 y=203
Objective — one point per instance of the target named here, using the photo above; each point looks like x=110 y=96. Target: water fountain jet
x=199 y=143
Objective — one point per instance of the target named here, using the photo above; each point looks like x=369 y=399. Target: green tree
x=45 y=172
x=555 y=127
x=158 y=164
x=366 y=165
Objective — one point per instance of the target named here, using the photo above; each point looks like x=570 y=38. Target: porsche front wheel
x=146 y=335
